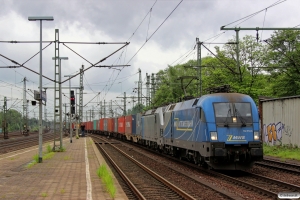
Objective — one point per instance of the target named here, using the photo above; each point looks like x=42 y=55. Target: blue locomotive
x=217 y=130
x=220 y=131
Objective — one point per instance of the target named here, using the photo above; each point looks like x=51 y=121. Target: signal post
x=72 y=111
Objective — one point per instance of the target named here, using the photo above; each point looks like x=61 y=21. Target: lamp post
x=39 y=18
x=60 y=98
x=70 y=108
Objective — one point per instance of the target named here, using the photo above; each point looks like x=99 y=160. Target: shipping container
x=115 y=125
x=280 y=120
x=121 y=125
x=136 y=128
x=128 y=125
x=105 y=124
x=95 y=125
x=110 y=125
x=133 y=129
x=138 y=125
x=98 y=125
x=88 y=126
x=101 y=125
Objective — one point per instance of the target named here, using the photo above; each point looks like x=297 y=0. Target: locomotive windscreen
x=233 y=114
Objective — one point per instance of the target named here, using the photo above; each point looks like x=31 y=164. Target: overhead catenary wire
x=191 y=53
x=150 y=19
x=125 y=49
x=220 y=60
x=141 y=22
x=253 y=14
x=263 y=23
x=25 y=67
x=92 y=65
x=154 y=32
x=244 y=19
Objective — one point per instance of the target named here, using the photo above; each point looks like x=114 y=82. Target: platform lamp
x=40 y=18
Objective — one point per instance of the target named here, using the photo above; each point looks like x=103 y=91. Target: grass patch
x=36 y=158
x=62 y=191
x=44 y=194
x=107 y=179
x=30 y=164
x=46 y=156
x=13 y=158
x=67 y=157
x=62 y=149
x=283 y=152
x=49 y=148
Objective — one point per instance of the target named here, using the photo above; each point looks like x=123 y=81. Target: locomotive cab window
x=233 y=114
x=202 y=115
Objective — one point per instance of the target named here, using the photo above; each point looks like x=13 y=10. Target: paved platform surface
x=67 y=175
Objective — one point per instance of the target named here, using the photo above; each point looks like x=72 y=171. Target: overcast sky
x=160 y=34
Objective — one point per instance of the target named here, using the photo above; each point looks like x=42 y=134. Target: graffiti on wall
x=273 y=133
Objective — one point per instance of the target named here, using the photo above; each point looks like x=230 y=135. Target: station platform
x=71 y=174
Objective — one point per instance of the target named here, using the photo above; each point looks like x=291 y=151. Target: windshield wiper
x=228 y=113
x=240 y=116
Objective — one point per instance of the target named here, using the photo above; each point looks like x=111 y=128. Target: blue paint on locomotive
x=229 y=135
x=185 y=119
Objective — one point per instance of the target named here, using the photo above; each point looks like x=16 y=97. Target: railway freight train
x=220 y=131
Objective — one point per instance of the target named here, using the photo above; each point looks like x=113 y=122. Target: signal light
x=72 y=97
x=72 y=101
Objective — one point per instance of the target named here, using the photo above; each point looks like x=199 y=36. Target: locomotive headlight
x=234 y=119
x=213 y=136
x=256 y=135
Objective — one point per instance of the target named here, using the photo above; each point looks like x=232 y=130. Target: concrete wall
x=280 y=121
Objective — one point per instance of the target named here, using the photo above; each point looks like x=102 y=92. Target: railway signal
x=72 y=98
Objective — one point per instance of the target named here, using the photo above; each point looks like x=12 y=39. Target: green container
x=95 y=125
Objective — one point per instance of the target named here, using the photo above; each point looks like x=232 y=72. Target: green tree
x=14 y=120
x=283 y=60
x=136 y=109
x=265 y=69
x=169 y=84
x=249 y=76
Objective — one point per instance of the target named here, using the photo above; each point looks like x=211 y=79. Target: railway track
x=195 y=186
x=16 y=134
x=18 y=143
x=270 y=184
x=261 y=186
x=266 y=187
x=145 y=183
x=281 y=166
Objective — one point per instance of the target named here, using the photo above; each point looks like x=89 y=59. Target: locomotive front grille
x=255 y=144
